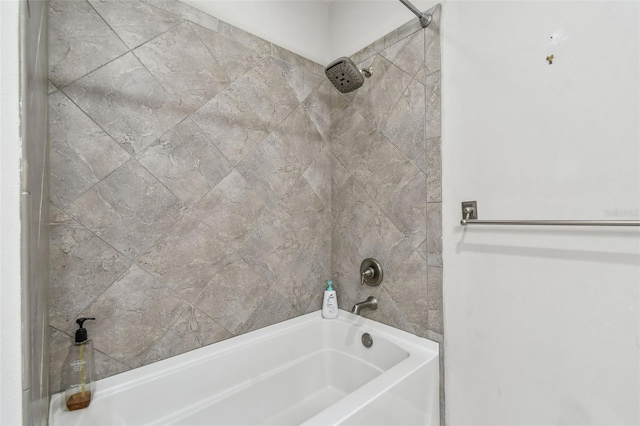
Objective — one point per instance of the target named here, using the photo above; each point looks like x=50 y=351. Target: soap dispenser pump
x=80 y=370
x=330 y=302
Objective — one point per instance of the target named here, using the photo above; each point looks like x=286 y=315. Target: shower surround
x=386 y=182
x=194 y=167
x=190 y=180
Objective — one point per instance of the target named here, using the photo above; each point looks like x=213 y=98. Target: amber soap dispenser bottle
x=80 y=370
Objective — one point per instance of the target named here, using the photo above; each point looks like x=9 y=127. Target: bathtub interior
x=282 y=376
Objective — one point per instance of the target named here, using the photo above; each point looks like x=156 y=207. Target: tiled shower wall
x=386 y=182
x=194 y=167
x=190 y=180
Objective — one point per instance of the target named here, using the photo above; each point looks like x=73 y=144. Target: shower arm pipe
x=425 y=19
x=470 y=217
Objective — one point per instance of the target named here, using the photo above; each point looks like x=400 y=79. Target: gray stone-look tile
x=345 y=268
x=191 y=331
x=79 y=41
x=267 y=90
x=129 y=209
x=271 y=247
x=434 y=169
x=275 y=308
x=233 y=209
x=133 y=313
x=318 y=175
x=252 y=41
x=127 y=102
x=318 y=106
x=432 y=42
x=185 y=161
x=301 y=209
x=233 y=294
x=52 y=87
x=235 y=58
x=339 y=176
x=421 y=75
x=433 y=115
x=304 y=283
x=81 y=267
x=434 y=297
x=434 y=234
x=355 y=208
x=297 y=60
x=408 y=53
x=135 y=22
x=377 y=97
x=184 y=66
x=319 y=245
x=422 y=248
x=388 y=312
x=368 y=51
x=59 y=344
x=407 y=207
x=351 y=136
x=381 y=169
x=401 y=32
x=383 y=241
x=404 y=127
x=231 y=124
x=408 y=288
x=187 y=12
x=187 y=257
x=302 y=81
x=276 y=164
x=81 y=154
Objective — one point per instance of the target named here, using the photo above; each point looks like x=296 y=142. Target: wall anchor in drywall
x=550 y=59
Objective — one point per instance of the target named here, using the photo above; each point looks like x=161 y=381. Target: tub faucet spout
x=370 y=303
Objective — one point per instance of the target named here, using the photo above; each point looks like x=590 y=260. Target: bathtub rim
x=421 y=351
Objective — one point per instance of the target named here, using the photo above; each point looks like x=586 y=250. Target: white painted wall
x=354 y=24
x=299 y=26
x=10 y=154
x=542 y=325
x=319 y=30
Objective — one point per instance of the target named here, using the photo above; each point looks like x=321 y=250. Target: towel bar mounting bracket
x=469 y=211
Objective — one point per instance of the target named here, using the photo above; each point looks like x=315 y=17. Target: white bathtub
x=307 y=370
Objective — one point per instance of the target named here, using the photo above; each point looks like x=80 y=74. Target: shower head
x=345 y=75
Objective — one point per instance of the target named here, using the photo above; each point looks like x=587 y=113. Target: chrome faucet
x=370 y=303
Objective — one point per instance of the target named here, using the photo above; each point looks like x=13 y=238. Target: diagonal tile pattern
x=129 y=209
x=135 y=22
x=377 y=97
x=185 y=162
x=386 y=144
x=210 y=181
x=134 y=311
x=267 y=89
x=81 y=154
x=235 y=57
x=82 y=266
x=187 y=257
x=184 y=66
x=231 y=124
x=79 y=41
x=127 y=102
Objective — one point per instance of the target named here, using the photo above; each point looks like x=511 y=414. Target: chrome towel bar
x=470 y=217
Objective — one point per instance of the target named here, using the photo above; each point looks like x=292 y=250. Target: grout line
x=108 y=25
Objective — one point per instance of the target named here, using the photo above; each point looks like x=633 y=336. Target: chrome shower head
x=345 y=75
